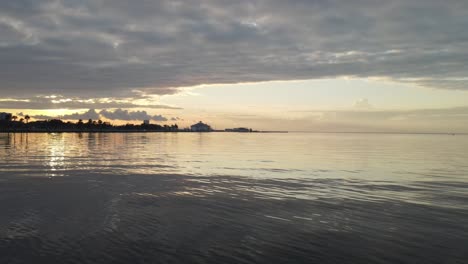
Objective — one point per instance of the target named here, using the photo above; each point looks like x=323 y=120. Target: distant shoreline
x=222 y=131
x=131 y=131
x=381 y=132
x=9 y=125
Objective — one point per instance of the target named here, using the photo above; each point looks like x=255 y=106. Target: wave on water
x=233 y=198
x=180 y=219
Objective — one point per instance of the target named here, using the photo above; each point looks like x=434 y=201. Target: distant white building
x=146 y=122
x=200 y=127
x=5 y=116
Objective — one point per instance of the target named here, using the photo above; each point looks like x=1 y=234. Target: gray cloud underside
x=90 y=114
x=76 y=103
x=93 y=48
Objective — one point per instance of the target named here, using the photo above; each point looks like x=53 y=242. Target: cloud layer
x=430 y=120
x=120 y=114
x=60 y=102
x=117 y=114
x=90 y=114
x=97 y=48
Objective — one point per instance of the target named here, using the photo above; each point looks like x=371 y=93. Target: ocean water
x=233 y=198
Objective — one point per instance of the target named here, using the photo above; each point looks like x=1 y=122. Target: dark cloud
x=120 y=114
x=89 y=49
x=90 y=114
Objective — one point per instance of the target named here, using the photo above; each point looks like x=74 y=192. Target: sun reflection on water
x=56 y=153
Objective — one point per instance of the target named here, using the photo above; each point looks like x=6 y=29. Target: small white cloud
x=362 y=103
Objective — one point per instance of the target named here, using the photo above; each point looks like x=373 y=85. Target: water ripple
x=218 y=198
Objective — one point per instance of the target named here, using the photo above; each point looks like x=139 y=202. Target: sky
x=298 y=65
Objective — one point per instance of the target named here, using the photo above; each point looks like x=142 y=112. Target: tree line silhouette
x=22 y=124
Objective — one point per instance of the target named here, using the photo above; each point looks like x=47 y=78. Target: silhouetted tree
x=27 y=117
x=14 y=118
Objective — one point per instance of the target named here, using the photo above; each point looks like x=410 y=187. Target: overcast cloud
x=59 y=102
x=102 y=48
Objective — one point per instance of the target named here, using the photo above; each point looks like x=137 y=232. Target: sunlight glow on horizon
x=308 y=104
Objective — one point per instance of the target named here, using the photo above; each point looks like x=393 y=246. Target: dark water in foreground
x=233 y=198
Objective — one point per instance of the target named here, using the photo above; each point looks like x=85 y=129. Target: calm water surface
x=233 y=198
